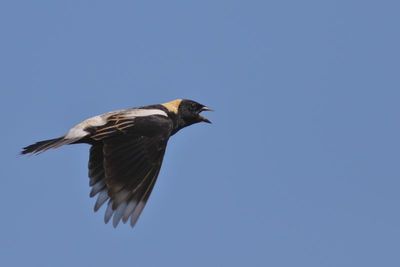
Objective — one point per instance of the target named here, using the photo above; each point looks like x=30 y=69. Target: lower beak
x=205 y=119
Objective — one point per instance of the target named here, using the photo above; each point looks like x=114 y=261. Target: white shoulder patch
x=144 y=112
x=78 y=131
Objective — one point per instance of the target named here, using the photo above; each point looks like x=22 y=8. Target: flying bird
x=126 y=153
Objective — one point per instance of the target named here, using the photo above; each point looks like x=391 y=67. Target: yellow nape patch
x=173 y=105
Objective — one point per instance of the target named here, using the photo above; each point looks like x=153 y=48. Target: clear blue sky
x=301 y=165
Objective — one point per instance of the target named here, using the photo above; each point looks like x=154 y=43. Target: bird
x=127 y=148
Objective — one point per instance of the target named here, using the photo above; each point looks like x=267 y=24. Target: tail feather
x=42 y=146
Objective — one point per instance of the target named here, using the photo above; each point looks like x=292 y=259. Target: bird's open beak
x=203 y=118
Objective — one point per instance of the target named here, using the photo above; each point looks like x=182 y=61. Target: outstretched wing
x=123 y=170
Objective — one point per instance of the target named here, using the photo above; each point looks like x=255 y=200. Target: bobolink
x=127 y=149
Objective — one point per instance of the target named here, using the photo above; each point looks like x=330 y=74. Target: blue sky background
x=301 y=165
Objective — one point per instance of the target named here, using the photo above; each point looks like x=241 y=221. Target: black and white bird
x=127 y=150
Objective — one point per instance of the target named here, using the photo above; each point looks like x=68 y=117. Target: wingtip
x=109 y=212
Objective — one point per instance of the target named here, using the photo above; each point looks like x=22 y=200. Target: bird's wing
x=123 y=170
x=126 y=121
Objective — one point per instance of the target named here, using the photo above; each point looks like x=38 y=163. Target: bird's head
x=187 y=111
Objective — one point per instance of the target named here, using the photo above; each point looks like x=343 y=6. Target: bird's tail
x=42 y=146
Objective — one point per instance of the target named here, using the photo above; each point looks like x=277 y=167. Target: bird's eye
x=193 y=105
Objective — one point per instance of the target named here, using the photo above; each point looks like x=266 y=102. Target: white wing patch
x=78 y=131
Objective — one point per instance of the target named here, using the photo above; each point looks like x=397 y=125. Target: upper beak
x=206 y=109
x=203 y=118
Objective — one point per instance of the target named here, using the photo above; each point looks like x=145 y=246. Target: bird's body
x=127 y=149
